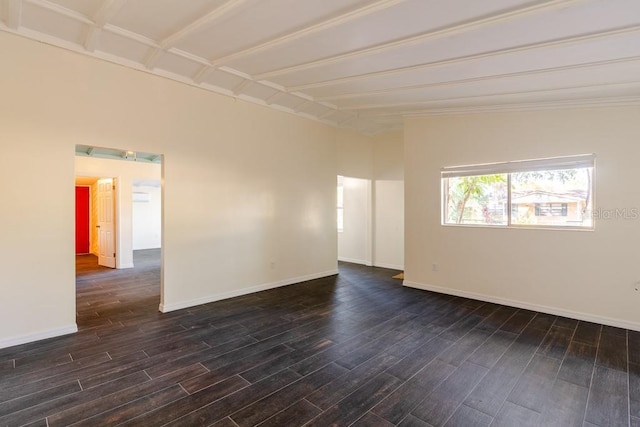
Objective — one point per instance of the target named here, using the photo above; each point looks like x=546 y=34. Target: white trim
x=556 y=311
x=51 y=333
x=550 y=163
x=165 y=308
x=127 y=265
x=355 y=261
x=389 y=266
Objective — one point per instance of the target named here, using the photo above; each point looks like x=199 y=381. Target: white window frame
x=552 y=163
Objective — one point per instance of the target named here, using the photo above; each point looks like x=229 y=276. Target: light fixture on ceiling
x=131 y=155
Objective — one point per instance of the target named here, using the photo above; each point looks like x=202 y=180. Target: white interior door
x=106 y=223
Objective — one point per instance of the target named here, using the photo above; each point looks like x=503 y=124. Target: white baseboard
x=355 y=261
x=165 y=308
x=123 y=266
x=389 y=266
x=619 y=323
x=10 y=342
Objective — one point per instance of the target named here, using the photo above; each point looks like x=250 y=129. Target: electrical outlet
x=434 y=267
x=636 y=286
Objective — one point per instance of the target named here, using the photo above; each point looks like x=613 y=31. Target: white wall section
x=147 y=217
x=388 y=244
x=249 y=191
x=583 y=274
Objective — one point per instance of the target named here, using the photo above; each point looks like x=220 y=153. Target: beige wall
x=583 y=274
x=249 y=191
x=388 y=170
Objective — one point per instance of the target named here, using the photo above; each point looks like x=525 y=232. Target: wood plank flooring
x=356 y=349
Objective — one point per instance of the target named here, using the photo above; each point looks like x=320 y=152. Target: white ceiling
x=362 y=64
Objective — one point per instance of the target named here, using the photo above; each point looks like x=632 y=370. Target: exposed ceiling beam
x=201 y=74
x=516 y=106
x=271 y=98
x=241 y=87
x=422 y=38
x=573 y=89
x=107 y=11
x=207 y=19
x=447 y=83
x=301 y=105
x=327 y=113
x=457 y=60
x=131 y=35
x=13 y=13
x=320 y=26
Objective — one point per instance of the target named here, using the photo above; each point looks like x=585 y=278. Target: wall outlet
x=434 y=267
x=273 y=265
x=636 y=286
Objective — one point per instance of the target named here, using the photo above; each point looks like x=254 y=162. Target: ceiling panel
x=260 y=21
x=259 y=91
x=222 y=79
x=625 y=73
x=158 y=19
x=178 y=65
x=287 y=100
x=523 y=33
x=86 y=7
x=124 y=47
x=602 y=50
x=372 y=29
x=378 y=60
x=314 y=109
x=47 y=21
x=536 y=100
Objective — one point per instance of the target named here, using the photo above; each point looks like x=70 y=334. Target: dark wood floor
x=357 y=349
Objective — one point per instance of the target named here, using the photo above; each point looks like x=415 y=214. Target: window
x=340 y=204
x=551 y=209
x=555 y=192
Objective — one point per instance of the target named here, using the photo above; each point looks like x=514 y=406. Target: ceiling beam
x=201 y=75
x=327 y=113
x=131 y=35
x=462 y=59
x=241 y=87
x=510 y=107
x=326 y=24
x=301 y=105
x=446 y=83
x=13 y=13
x=573 y=89
x=205 y=20
x=107 y=11
x=426 y=36
x=271 y=98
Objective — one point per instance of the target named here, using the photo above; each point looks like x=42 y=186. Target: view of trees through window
x=539 y=198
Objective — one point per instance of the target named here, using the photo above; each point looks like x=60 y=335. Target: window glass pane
x=552 y=198
x=476 y=200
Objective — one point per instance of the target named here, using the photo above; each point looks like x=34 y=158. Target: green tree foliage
x=468 y=187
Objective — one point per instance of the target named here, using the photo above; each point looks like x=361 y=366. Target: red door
x=82 y=220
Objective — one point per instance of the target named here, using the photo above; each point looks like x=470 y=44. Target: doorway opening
x=122 y=268
x=355 y=220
